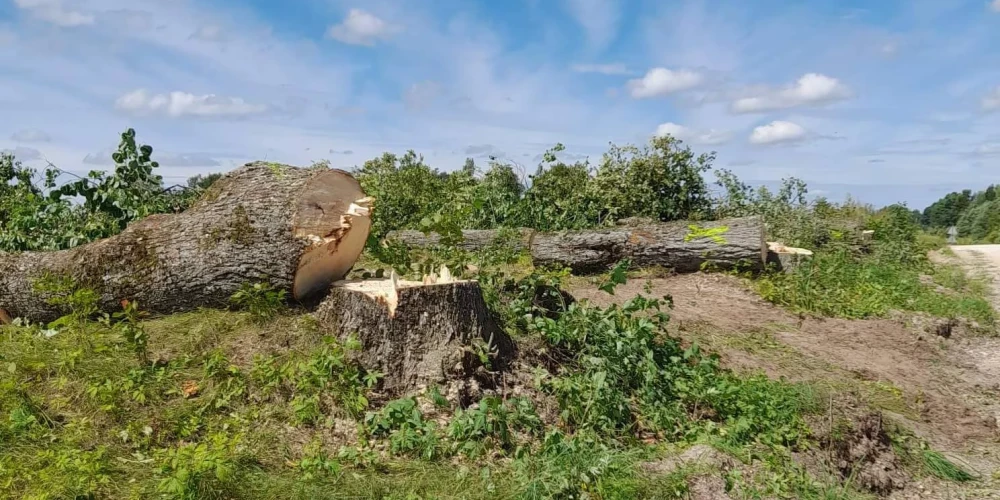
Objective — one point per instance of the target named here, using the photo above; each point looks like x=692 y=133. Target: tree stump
x=299 y=229
x=786 y=259
x=419 y=333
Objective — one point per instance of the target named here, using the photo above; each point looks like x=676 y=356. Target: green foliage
x=841 y=280
x=939 y=466
x=38 y=214
x=661 y=181
x=80 y=303
x=981 y=222
x=623 y=375
x=579 y=466
x=494 y=424
x=406 y=190
x=130 y=327
x=261 y=300
x=560 y=196
x=976 y=215
x=194 y=470
x=327 y=372
x=403 y=424
x=948 y=210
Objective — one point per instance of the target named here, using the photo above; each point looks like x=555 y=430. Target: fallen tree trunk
x=683 y=246
x=298 y=229
x=417 y=334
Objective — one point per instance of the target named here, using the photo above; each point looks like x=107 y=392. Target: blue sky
x=888 y=101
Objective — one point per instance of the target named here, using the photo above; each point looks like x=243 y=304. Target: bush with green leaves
x=662 y=180
x=262 y=300
x=846 y=279
x=622 y=375
x=39 y=214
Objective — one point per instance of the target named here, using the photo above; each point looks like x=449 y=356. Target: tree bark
x=418 y=334
x=738 y=242
x=472 y=239
x=299 y=229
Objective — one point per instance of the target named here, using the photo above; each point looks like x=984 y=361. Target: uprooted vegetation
x=613 y=381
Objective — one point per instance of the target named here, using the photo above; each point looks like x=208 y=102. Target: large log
x=299 y=229
x=418 y=334
x=683 y=246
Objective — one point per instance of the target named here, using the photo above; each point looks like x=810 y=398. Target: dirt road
x=984 y=261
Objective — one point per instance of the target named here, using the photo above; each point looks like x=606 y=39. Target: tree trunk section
x=737 y=242
x=472 y=239
x=296 y=228
x=418 y=334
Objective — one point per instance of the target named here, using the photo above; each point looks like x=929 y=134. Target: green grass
x=839 y=284
x=220 y=404
x=939 y=466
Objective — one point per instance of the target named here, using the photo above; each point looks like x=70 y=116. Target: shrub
x=261 y=300
x=35 y=219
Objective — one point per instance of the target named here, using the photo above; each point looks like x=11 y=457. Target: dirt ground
x=945 y=390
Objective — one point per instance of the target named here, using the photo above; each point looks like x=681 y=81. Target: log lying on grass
x=299 y=229
x=418 y=333
x=682 y=246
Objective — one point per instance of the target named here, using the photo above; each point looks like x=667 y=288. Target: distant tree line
x=976 y=215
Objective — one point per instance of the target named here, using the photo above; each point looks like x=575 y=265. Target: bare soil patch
x=939 y=388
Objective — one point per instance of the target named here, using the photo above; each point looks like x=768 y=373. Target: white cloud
x=360 y=28
x=421 y=95
x=25 y=154
x=810 y=89
x=177 y=104
x=103 y=158
x=988 y=149
x=663 y=81
x=995 y=6
x=704 y=137
x=889 y=49
x=52 y=11
x=30 y=135
x=483 y=151
x=991 y=101
x=776 y=132
x=599 y=18
x=604 y=69
x=208 y=33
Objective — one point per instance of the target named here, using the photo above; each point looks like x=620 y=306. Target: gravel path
x=983 y=260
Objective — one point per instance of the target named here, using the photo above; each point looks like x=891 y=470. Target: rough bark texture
x=646 y=244
x=255 y=223
x=427 y=334
x=472 y=239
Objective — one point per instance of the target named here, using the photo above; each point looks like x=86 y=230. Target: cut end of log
x=334 y=216
x=386 y=291
x=781 y=248
x=5 y=318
